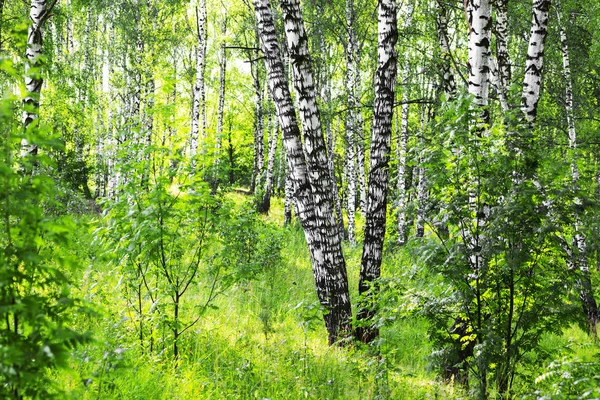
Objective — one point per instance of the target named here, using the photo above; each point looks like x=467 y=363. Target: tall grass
x=263 y=339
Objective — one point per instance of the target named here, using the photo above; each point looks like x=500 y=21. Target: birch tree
x=578 y=252
x=352 y=121
x=313 y=204
x=38 y=13
x=199 y=99
x=402 y=142
x=385 y=82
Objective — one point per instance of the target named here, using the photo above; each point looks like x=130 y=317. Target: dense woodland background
x=341 y=199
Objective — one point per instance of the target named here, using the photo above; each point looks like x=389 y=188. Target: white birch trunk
x=402 y=142
x=448 y=81
x=33 y=81
x=385 y=83
x=579 y=247
x=199 y=100
x=221 y=106
x=502 y=67
x=310 y=180
x=532 y=81
x=479 y=55
x=352 y=121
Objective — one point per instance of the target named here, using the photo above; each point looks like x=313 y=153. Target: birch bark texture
x=532 y=81
x=385 y=84
x=402 y=143
x=33 y=79
x=199 y=100
x=578 y=256
x=352 y=122
x=479 y=25
x=310 y=189
x=448 y=81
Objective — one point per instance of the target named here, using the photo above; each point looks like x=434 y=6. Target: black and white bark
x=352 y=121
x=479 y=54
x=578 y=259
x=273 y=137
x=259 y=151
x=221 y=105
x=532 y=81
x=33 y=79
x=311 y=186
x=502 y=67
x=385 y=82
x=198 y=130
x=402 y=142
x=330 y=137
x=448 y=83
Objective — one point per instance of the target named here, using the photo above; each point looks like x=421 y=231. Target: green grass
x=264 y=339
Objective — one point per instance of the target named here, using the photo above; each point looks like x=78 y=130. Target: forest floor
x=263 y=338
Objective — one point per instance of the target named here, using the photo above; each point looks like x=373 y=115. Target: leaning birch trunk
x=313 y=204
x=199 y=100
x=33 y=80
x=385 y=82
x=352 y=122
x=579 y=246
x=402 y=145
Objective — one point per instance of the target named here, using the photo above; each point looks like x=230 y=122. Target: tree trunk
x=402 y=144
x=385 y=82
x=352 y=123
x=33 y=80
x=448 y=82
x=535 y=60
x=258 y=127
x=310 y=180
x=579 y=246
x=479 y=20
x=330 y=140
x=273 y=129
x=503 y=69
x=221 y=107
x=199 y=98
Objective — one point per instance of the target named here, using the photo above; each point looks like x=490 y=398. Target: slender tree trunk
x=535 y=60
x=310 y=182
x=448 y=81
x=579 y=247
x=221 y=108
x=330 y=140
x=273 y=129
x=402 y=145
x=352 y=123
x=385 y=82
x=33 y=80
x=479 y=20
x=503 y=68
x=258 y=127
x=478 y=65
x=199 y=100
